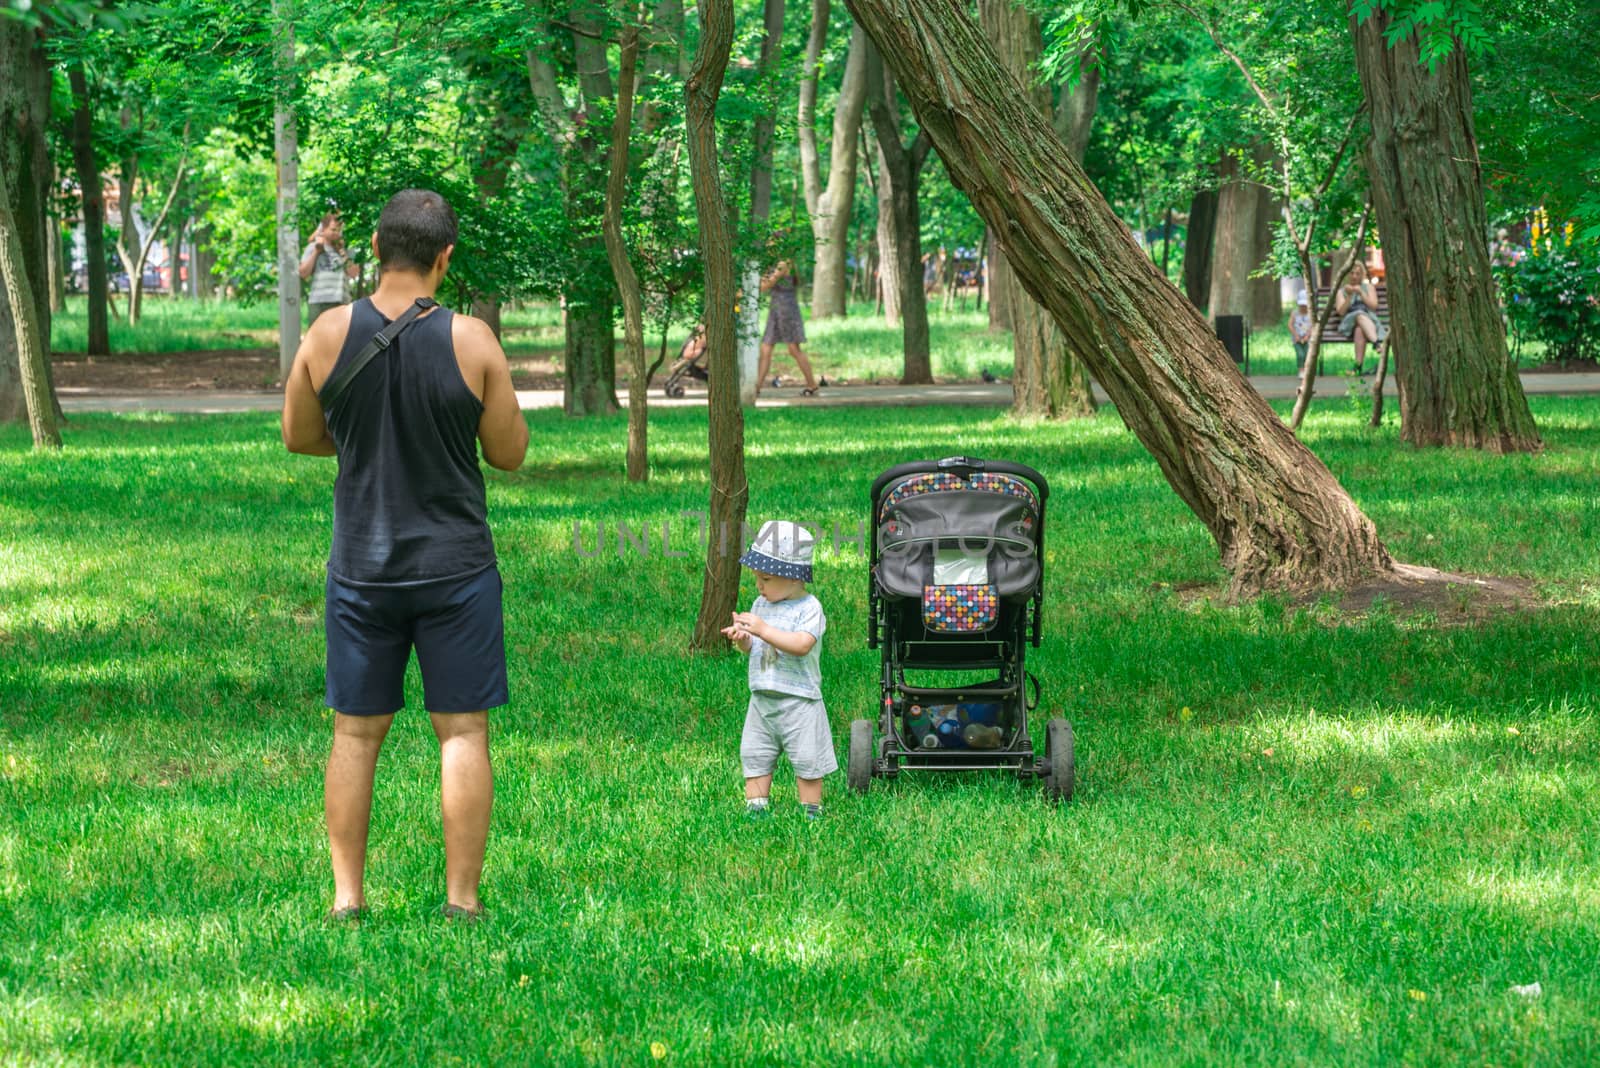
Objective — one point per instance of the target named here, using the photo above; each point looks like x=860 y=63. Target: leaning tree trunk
x=1198 y=243
x=638 y=462
x=26 y=170
x=830 y=207
x=24 y=326
x=1047 y=380
x=730 y=492
x=1459 y=385
x=1279 y=517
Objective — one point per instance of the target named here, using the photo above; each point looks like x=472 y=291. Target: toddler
x=782 y=633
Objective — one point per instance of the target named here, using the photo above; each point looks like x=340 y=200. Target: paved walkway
x=1273 y=387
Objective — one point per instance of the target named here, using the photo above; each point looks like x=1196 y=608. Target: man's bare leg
x=466 y=797
x=347 y=801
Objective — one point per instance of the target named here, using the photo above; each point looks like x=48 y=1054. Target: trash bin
x=1231 y=332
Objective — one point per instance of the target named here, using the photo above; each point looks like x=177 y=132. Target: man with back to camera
x=412 y=562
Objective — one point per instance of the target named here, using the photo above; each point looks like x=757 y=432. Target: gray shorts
x=780 y=723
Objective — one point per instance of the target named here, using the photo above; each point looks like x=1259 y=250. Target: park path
x=995 y=395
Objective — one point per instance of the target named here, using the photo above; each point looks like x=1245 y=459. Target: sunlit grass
x=1298 y=839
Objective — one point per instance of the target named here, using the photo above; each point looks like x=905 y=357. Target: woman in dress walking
x=784 y=325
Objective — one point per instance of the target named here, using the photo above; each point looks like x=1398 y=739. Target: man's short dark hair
x=414 y=227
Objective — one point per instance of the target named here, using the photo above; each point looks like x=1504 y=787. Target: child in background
x=782 y=633
x=1300 y=325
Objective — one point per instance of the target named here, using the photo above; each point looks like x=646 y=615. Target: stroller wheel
x=858 y=770
x=673 y=389
x=1060 y=769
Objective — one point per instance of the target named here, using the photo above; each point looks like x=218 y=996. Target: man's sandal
x=350 y=914
x=461 y=914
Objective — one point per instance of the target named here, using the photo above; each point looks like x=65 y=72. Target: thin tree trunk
x=1279 y=517
x=830 y=207
x=286 y=152
x=900 y=175
x=1459 y=385
x=25 y=165
x=1198 y=244
x=1321 y=316
x=729 y=491
x=57 y=273
x=94 y=210
x=37 y=395
x=638 y=461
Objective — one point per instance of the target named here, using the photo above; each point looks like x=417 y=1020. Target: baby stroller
x=687 y=366
x=957 y=562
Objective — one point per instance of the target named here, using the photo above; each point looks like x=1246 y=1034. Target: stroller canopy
x=943 y=528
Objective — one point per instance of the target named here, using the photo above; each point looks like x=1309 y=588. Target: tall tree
x=830 y=207
x=730 y=493
x=1047 y=379
x=900 y=176
x=1279 y=517
x=24 y=160
x=1459 y=385
x=1199 y=242
x=638 y=460
x=93 y=194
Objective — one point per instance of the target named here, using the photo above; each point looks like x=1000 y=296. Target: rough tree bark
x=1459 y=384
x=638 y=462
x=888 y=241
x=1047 y=380
x=730 y=492
x=25 y=165
x=900 y=176
x=24 y=326
x=1279 y=517
x=1198 y=244
x=830 y=207
x=1234 y=248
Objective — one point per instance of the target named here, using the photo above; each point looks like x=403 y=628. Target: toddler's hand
x=747 y=623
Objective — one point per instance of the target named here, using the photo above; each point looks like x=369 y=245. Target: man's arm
x=305 y=430
x=502 y=431
x=308 y=262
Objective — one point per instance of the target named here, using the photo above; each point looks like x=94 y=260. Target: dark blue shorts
x=456 y=626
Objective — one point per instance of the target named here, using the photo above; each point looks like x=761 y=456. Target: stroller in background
x=957 y=580
x=688 y=365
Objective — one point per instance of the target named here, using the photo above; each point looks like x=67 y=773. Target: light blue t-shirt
x=772 y=669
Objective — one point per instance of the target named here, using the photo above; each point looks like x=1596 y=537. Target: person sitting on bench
x=1357 y=303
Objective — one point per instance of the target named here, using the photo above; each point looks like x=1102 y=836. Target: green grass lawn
x=1296 y=839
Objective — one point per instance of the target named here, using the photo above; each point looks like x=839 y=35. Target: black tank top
x=408 y=506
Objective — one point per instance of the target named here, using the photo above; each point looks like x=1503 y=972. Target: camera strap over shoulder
x=340 y=380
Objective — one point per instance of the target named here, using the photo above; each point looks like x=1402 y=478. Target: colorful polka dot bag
x=960 y=609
